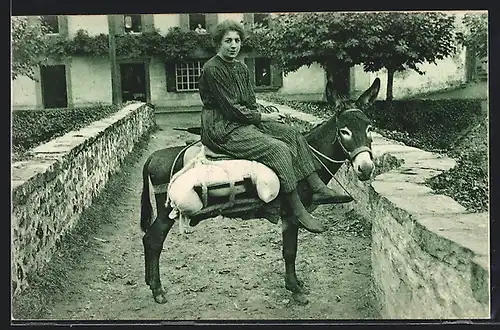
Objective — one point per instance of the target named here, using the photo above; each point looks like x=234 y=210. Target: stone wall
x=50 y=191
x=430 y=258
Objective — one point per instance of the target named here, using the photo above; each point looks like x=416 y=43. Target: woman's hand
x=273 y=116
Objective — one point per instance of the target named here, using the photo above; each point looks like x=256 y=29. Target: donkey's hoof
x=160 y=296
x=300 y=298
x=298 y=287
x=303 y=288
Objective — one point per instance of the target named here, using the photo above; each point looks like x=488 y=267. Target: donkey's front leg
x=290 y=234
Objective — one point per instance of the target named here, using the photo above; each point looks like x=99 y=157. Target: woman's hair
x=222 y=28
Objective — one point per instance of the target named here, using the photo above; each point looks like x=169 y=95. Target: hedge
x=436 y=123
x=34 y=127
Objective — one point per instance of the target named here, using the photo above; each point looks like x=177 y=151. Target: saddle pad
x=196 y=148
x=182 y=192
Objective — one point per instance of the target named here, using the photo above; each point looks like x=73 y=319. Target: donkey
x=344 y=138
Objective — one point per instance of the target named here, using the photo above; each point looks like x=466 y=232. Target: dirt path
x=225 y=269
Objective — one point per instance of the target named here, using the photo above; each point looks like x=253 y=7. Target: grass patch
x=31 y=128
x=50 y=283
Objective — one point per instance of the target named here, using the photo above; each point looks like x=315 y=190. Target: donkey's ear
x=370 y=94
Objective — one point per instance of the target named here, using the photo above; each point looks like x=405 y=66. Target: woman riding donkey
x=232 y=124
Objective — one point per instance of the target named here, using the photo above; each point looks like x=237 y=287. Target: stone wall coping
x=443 y=227
x=48 y=157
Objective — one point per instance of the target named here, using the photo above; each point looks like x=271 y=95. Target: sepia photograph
x=254 y=166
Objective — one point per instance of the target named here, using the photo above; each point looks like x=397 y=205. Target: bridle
x=350 y=154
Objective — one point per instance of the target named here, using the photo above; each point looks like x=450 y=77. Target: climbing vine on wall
x=176 y=44
x=82 y=44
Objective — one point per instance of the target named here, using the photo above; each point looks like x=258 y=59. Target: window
x=132 y=23
x=51 y=23
x=262 y=71
x=261 y=19
x=197 y=22
x=187 y=75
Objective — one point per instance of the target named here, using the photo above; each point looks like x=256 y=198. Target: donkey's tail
x=146 y=208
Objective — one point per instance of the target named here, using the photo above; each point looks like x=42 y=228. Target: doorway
x=54 y=90
x=133 y=82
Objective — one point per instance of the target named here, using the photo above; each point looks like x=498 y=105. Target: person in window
x=199 y=29
x=264 y=78
x=231 y=123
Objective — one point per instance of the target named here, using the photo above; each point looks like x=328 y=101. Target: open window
x=132 y=23
x=198 y=23
x=262 y=72
x=265 y=73
x=201 y=23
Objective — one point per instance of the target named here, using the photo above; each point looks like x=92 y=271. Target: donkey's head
x=354 y=130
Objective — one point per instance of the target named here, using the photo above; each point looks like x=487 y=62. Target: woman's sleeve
x=221 y=93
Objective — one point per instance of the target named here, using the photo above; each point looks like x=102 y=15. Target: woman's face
x=230 y=45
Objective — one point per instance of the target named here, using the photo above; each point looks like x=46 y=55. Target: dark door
x=133 y=78
x=53 y=81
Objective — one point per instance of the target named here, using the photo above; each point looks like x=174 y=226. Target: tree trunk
x=390 y=83
x=337 y=74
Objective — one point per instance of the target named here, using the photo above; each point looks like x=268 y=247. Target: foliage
x=140 y=45
x=181 y=45
x=399 y=41
x=467 y=182
x=298 y=39
x=391 y=40
x=29 y=44
x=475 y=34
x=33 y=127
x=436 y=123
x=60 y=47
x=175 y=45
x=83 y=44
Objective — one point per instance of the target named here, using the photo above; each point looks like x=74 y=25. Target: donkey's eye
x=346 y=133
x=369 y=131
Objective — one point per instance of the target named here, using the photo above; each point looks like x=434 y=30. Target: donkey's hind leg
x=153 y=245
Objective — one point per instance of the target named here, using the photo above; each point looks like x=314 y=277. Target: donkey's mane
x=329 y=126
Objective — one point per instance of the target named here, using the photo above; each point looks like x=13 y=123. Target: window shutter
x=147 y=22
x=270 y=21
x=35 y=20
x=212 y=21
x=63 y=25
x=250 y=62
x=184 y=22
x=247 y=19
x=276 y=74
x=170 y=72
x=117 y=20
